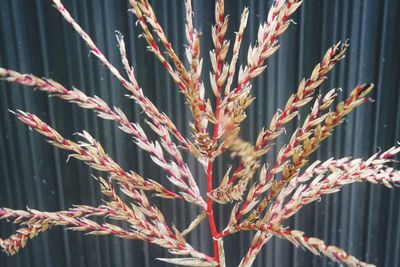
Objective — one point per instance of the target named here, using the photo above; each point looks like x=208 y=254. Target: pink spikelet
x=263 y=195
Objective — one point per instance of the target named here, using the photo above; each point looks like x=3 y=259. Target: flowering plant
x=261 y=204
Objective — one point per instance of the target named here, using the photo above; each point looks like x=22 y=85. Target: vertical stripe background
x=362 y=219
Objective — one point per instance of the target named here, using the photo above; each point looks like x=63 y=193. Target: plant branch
x=137 y=93
x=312 y=244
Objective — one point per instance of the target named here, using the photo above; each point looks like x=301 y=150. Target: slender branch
x=289 y=151
x=331 y=120
x=235 y=114
x=220 y=70
x=259 y=240
x=137 y=93
x=194 y=224
x=181 y=169
x=236 y=49
x=312 y=244
x=310 y=144
x=144 y=11
x=236 y=102
x=195 y=96
x=92 y=153
x=193 y=47
x=37 y=222
x=217 y=59
x=303 y=95
x=280 y=191
x=153 y=46
x=267 y=40
x=210 y=212
x=104 y=111
x=187 y=82
x=330 y=176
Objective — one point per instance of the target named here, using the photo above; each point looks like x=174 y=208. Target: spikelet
x=262 y=204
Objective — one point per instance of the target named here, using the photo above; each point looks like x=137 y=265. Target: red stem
x=210 y=213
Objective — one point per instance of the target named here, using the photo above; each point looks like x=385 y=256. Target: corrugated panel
x=363 y=219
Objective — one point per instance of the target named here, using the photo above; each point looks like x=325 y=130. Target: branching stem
x=210 y=214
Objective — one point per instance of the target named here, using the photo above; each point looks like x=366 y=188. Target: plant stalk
x=210 y=213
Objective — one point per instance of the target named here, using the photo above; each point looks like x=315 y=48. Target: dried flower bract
x=264 y=194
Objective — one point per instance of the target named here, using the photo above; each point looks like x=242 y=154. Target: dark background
x=362 y=219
